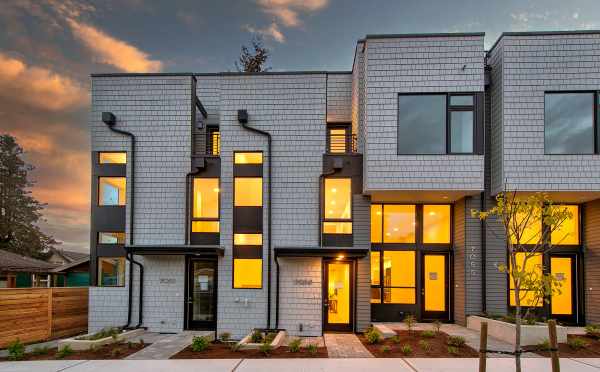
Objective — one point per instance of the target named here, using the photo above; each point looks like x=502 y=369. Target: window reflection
x=569 y=123
x=422 y=124
x=111 y=190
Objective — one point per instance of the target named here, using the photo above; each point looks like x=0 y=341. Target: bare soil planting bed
x=223 y=351
x=437 y=346
x=592 y=350
x=110 y=351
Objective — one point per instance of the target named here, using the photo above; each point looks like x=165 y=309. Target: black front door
x=434 y=286
x=564 y=299
x=338 y=289
x=201 y=301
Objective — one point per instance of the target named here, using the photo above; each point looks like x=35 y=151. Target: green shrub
x=385 y=349
x=294 y=345
x=40 y=350
x=410 y=322
x=453 y=350
x=256 y=337
x=592 y=330
x=428 y=334
x=312 y=348
x=115 y=353
x=200 y=343
x=129 y=345
x=544 y=345
x=457 y=341
x=103 y=333
x=64 y=352
x=437 y=325
x=265 y=348
x=425 y=345
x=269 y=337
x=234 y=346
x=372 y=336
x=225 y=336
x=406 y=349
x=395 y=339
x=577 y=343
x=16 y=350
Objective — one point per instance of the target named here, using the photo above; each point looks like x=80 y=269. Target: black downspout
x=277 y=295
x=269 y=157
x=483 y=257
x=129 y=254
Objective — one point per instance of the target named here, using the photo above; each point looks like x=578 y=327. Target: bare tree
x=528 y=222
x=255 y=60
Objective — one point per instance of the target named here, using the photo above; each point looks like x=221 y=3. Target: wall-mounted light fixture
x=243 y=116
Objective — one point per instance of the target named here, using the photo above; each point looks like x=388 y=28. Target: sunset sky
x=48 y=49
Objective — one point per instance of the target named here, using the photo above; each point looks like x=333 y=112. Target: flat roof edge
x=438 y=34
x=542 y=33
x=264 y=73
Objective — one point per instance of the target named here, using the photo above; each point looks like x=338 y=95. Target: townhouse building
x=328 y=200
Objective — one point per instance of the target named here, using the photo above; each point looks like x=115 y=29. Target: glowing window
x=399 y=277
x=248 y=192
x=247 y=273
x=248 y=158
x=247 y=239
x=337 y=140
x=206 y=198
x=567 y=232
x=205 y=226
x=337 y=227
x=111 y=190
x=534 y=268
x=112 y=158
x=375 y=261
x=111 y=238
x=111 y=271
x=338 y=198
x=528 y=226
x=436 y=224
x=398 y=223
x=376 y=218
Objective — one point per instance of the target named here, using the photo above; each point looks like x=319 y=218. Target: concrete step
x=384 y=330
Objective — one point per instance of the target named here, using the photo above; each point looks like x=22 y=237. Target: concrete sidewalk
x=302 y=365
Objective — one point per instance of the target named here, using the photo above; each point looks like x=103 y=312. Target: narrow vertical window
x=205 y=208
x=376 y=222
x=213 y=141
x=337 y=206
x=462 y=124
x=436 y=224
x=111 y=271
x=111 y=191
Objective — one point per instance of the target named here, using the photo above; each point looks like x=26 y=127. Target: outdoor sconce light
x=243 y=116
x=109 y=118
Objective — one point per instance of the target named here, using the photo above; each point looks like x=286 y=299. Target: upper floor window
x=438 y=124
x=111 y=271
x=529 y=228
x=337 y=206
x=111 y=238
x=111 y=190
x=248 y=158
x=205 y=210
x=213 y=141
x=248 y=192
x=340 y=139
x=112 y=158
x=569 y=123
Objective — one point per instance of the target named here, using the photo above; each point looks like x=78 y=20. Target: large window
x=531 y=228
x=111 y=238
x=337 y=206
x=247 y=261
x=248 y=191
x=111 y=190
x=567 y=233
x=111 y=271
x=533 y=267
x=569 y=123
x=399 y=277
x=205 y=210
x=436 y=224
x=112 y=157
x=437 y=123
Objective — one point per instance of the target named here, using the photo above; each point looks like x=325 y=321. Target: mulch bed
x=223 y=351
x=592 y=350
x=438 y=347
x=111 y=351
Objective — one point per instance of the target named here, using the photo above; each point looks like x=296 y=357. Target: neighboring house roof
x=72 y=264
x=16 y=263
x=70 y=256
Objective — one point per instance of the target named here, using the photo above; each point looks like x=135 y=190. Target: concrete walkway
x=470 y=336
x=302 y=365
x=166 y=347
x=345 y=345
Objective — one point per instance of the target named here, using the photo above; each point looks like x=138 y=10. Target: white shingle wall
x=530 y=66
x=417 y=65
x=494 y=150
x=292 y=109
x=157 y=111
x=339 y=97
x=300 y=304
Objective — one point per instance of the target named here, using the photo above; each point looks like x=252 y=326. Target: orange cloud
x=112 y=51
x=271 y=31
x=287 y=10
x=39 y=87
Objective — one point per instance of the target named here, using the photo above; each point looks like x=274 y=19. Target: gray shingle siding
x=417 y=65
x=339 y=98
x=530 y=65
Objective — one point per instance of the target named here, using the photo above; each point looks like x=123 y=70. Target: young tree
x=253 y=61
x=19 y=211
x=528 y=222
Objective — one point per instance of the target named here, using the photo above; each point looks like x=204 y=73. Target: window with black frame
x=570 y=123
x=440 y=123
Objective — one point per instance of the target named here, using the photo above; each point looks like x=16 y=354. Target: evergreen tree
x=253 y=61
x=20 y=212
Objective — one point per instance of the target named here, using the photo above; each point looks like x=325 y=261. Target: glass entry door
x=435 y=286
x=563 y=304
x=337 y=296
x=202 y=294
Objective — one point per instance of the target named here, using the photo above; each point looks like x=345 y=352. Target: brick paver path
x=345 y=345
x=168 y=346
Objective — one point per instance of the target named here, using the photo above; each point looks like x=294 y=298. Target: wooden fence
x=38 y=314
